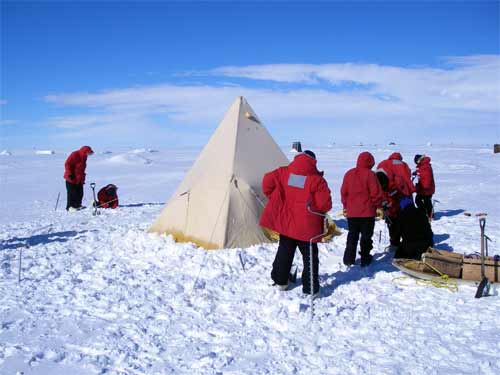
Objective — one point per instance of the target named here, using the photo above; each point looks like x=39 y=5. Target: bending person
x=74 y=174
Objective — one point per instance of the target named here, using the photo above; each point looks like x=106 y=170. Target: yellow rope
x=443 y=281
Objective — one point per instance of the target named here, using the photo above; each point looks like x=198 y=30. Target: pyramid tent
x=220 y=201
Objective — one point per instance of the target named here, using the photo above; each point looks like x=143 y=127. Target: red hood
x=365 y=160
x=85 y=151
x=396 y=156
x=425 y=160
x=304 y=165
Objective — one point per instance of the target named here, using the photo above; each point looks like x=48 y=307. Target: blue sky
x=160 y=73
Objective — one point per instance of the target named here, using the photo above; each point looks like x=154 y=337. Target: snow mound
x=128 y=159
x=45 y=152
x=6 y=153
x=485 y=151
x=462 y=167
x=143 y=151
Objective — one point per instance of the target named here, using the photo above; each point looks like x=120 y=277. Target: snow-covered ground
x=100 y=295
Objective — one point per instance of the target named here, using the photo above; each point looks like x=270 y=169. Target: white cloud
x=371 y=98
x=472 y=83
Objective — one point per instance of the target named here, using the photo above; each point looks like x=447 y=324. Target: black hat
x=310 y=153
x=417 y=158
x=111 y=188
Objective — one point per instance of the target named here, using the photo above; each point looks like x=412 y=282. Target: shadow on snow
x=445 y=213
x=39 y=239
x=440 y=244
x=142 y=204
x=381 y=262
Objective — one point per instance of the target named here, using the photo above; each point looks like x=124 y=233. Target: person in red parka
x=74 y=174
x=402 y=172
x=395 y=179
x=292 y=191
x=107 y=197
x=425 y=186
x=361 y=195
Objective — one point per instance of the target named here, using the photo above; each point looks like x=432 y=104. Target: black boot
x=366 y=260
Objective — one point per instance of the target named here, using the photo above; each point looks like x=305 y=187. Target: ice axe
x=96 y=211
x=484 y=285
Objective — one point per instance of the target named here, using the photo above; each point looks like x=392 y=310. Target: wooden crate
x=471 y=269
x=446 y=262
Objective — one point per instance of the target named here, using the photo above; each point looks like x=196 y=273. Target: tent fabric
x=220 y=201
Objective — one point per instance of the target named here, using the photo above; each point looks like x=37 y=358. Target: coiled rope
x=443 y=281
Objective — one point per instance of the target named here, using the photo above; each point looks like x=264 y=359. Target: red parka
x=74 y=167
x=402 y=169
x=425 y=185
x=290 y=190
x=361 y=193
x=107 y=196
x=399 y=179
x=400 y=185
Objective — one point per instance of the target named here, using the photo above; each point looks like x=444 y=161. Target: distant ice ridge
x=129 y=158
x=143 y=151
x=45 y=152
x=6 y=153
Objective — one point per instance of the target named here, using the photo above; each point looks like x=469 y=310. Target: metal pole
x=57 y=201
x=486 y=243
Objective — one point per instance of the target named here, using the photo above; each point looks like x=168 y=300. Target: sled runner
x=463 y=269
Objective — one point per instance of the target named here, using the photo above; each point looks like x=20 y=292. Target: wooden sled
x=456 y=267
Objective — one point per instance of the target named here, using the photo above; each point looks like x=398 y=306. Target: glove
x=344 y=212
x=380 y=213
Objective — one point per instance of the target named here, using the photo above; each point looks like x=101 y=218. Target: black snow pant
x=394 y=227
x=74 y=195
x=357 y=226
x=424 y=202
x=284 y=259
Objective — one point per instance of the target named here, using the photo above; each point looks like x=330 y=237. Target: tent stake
x=20 y=256
x=57 y=201
x=242 y=262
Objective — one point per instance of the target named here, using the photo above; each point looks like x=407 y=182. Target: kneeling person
x=416 y=231
x=107 y=197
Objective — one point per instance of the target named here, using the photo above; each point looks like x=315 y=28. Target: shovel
x=96 y=211
x=484 y=285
